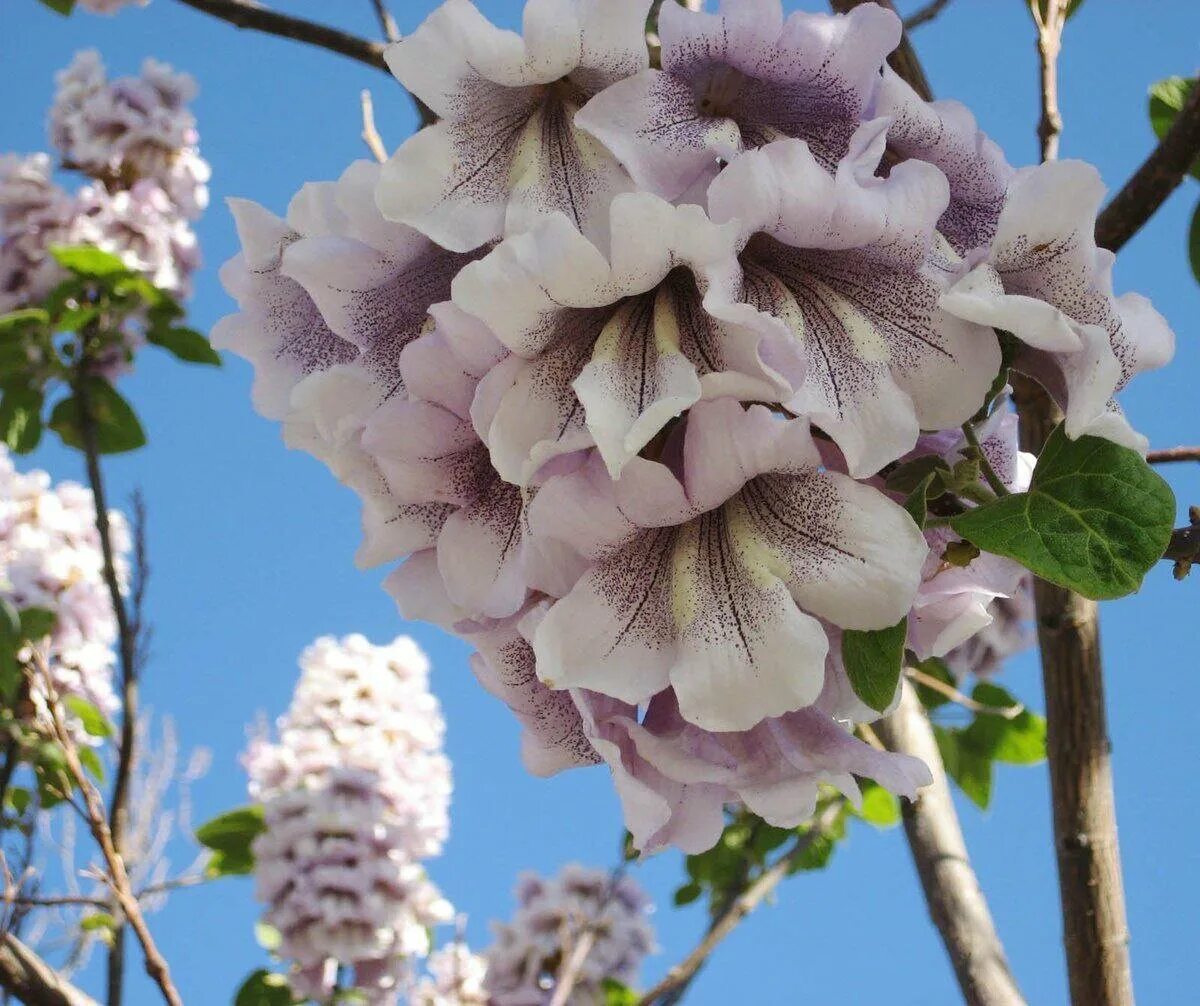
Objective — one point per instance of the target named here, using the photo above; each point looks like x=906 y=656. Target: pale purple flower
x=944 y=134
x=1044 y=280
x=355 y=794
x=554 y=913
x=606 y=350
x=505 y=150
x=141 y=226
x=454 y=977
x=710 y=572
x=847 y=266
x=35 y=213
x=50 y=557
x=130 y=129
x=738 y=79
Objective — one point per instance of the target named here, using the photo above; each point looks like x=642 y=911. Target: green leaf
x=909 y=476
x=1194 y=243
x=1017 y=741
x=117 y=426
x=231 y=836
x=618 y=994
x=966 y=766
x=97 y=920
x=1095 y=519
x=26 y=317
x=264 y=988
x=36 y=623
x=18 y=797
x=688 y=893
x=873 y=662
x=185 y=344
x=21 y=416
x=917 y=502
x=91 y=761
x=1167 y=98
x=816 y=855
x=90 y=718
x=84 y=260
x=879 y=807
x=63 y=7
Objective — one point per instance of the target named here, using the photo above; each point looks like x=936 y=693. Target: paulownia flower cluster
x=50 y=558
x=355 y=794
x=135 y=139
x=620 y=357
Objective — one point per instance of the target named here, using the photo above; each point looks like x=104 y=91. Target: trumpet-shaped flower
x=736 y=80
x=505 y=150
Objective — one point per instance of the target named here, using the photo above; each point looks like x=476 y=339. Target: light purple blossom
x=551 y=915
x=1044 y=280
x=505 y=150
x=50 y=558
x=355 y=794
x=736 y=80
x=454 y=977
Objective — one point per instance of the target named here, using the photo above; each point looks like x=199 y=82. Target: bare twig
x=127 y=648
x=904 y=59
x=568 y=974
x=25 y=975
x=387 y=23
x=1050 y=16
x=1159 y=175
x=249 y=15
x=1078 y=750
x=743 y=905
x=956 y=903
x=923 y=15
x=117 y=876
x=1169 y=455
x=370 y=134
x=954 y=695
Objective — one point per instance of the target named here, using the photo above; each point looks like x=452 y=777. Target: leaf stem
x=985 y=466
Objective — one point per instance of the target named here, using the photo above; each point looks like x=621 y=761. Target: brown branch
x=97 y=820
x=1184 y=548
x=1050 y=23
x=1159 y=175
x=1168 y=455
x=249 y=15
x=956 y=903
x=1078 y=751
x=741 y=906
x=370 y=135
x=925 y=14
x=904 y=58
x=30 y=979
x=118 y=812
x=572 y=966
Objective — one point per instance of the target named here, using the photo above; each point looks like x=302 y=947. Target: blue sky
x=252 y=545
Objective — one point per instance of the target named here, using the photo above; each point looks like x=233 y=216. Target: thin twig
x=1159 y=176
x=1169 y=455
x=13 y=896
x=743 y=905
x=985 y=466
x=923 y=15
x=245 y=14
x=34 y=982
x=954 y=695
x=1050 y=23
x=956 y=903
x=118 y=811
x=387 y=23
x=568 y=974
x=370 y=134
x=1184 y=548
x=117 y=877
